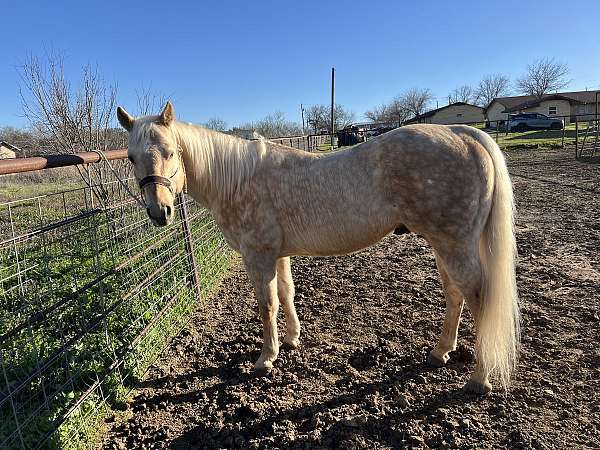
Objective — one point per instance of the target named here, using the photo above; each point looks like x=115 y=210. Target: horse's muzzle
x=162 y=217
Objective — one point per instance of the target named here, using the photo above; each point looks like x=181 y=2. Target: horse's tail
x=498 y=336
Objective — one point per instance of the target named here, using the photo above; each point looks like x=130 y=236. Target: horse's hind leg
x=285 y=290
x=454 y=305
x=463 y=270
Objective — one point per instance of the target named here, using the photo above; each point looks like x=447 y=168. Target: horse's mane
x=220 y=163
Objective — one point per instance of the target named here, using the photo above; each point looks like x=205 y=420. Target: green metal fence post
x=189 y=244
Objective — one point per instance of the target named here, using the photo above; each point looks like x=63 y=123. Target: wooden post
x=597 y=124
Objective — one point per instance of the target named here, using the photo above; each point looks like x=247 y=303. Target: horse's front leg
x=285 y=290
x=263 y=274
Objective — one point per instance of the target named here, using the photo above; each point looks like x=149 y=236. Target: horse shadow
x=387 y=429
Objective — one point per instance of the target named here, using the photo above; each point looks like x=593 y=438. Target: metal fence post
x=189 y=244
x=576 y=138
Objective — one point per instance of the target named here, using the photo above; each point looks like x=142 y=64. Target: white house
x=8 y=151
x=566 y=104
x=454 y=113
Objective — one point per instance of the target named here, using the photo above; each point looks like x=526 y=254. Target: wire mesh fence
x=309 y=143
x=90 y=294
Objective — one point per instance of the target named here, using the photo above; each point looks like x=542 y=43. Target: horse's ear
x=167 y=115
x=125 y=119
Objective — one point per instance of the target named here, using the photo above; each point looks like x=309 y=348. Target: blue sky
x=242 y=60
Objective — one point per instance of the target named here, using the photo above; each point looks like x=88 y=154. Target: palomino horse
x=449 y=184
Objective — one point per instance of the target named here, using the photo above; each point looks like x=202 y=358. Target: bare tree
x=77 y=119
x=216 y=123
x=318 y=117
x=378 y=113
x=412 y=103
x=465 y=94
x=71 y=119
x=490 y=87
x=543 y=75
x=149 y=102
x=274 y=125
x=416 y=101
x=393 y=112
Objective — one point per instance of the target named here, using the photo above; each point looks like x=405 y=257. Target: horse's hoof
x=263 y=368
x=435 y=361
x=263 y=372
x=478 y=388
x=292 y=344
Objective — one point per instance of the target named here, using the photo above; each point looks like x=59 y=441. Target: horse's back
x=441 y=176
x=431 y=179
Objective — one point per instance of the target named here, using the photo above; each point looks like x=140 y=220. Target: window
x=459 y=115
x=552 y=110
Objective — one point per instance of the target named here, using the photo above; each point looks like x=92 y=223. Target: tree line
x=67 y=117
x=543 y=76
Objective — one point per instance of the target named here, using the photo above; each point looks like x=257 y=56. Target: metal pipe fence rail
x=90 y=294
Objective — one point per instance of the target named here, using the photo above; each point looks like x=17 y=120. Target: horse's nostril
x=169 y=210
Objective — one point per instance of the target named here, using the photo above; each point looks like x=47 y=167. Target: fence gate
x=587 y=138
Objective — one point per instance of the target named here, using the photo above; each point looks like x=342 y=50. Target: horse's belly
x=328 y=242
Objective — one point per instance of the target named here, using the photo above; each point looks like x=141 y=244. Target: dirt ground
x=359 y=378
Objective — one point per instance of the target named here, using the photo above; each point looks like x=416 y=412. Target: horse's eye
x=130 y=159
x=170 y=155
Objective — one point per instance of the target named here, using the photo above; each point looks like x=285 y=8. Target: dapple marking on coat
x=449 y=184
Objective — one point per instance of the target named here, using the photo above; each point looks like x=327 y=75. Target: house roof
x=435 y=111
x=14 y=148
x=528 y=101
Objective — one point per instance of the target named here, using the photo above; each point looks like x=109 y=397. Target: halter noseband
x=157 y=179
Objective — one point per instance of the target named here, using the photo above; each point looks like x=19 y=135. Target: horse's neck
x=218 y=166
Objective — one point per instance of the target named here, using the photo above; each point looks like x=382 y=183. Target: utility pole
x=332 y=105
x=302 y=113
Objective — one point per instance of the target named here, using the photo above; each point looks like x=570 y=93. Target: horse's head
x=157 y=161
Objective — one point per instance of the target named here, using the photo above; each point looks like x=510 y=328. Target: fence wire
x=90 y=293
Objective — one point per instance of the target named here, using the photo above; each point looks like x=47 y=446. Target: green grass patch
x=125 y=320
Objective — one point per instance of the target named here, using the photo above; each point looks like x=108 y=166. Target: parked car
x=533 y=121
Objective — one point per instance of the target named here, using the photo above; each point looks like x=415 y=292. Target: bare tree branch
x=490 y=87
x=543 y=76
x=148 y=102
x=416 y=101
x=216 y=123
x=318 y=117
x=70 y=119
x=76 y=119
x=465 y=94
x=393 y=112
x=274 y=125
